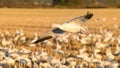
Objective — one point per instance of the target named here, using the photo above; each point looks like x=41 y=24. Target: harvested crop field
x=19 y=27
x=39 y=20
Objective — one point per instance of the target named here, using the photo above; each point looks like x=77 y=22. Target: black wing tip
x=42 y=39
x=88 y=15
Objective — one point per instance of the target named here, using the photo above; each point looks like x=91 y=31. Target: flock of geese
x=71 y=47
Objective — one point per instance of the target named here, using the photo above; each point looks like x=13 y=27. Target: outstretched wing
x=42 y=39
x=51 y=34
x=56 y=31
x=81 y=19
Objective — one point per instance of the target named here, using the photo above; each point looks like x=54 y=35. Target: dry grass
x=38 y=20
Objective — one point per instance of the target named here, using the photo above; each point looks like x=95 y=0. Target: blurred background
x=60 y=3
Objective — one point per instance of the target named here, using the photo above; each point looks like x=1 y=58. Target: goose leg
x=84 y=32
x=80 y=37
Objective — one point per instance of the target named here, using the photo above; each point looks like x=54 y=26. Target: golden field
x=96 y=49
x=39 y=20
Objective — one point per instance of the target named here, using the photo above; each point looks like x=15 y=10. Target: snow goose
x=47 y=42
x=35 y=38
x=117 y=50
x=10 y=62
x=72 y=26
x=109 y=55
x=96 y=55
x=6 y=42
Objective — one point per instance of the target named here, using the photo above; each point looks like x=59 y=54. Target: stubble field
x=100 y=48
x=39 y=20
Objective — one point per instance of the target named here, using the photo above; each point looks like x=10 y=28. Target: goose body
x=69 y=27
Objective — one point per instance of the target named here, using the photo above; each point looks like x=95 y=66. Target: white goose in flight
x=72 y=26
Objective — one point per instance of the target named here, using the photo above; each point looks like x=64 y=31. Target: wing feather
x=51 y=34
x=43 y=38
x=81 y=19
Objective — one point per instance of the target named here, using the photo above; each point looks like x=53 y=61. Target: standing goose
x=72 y=26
